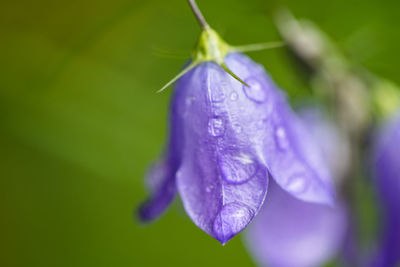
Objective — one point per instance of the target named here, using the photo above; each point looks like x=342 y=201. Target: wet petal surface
x=221 y=180
x=281 y=139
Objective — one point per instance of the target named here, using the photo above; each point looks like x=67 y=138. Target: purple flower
x=231 y=128
x=292 y=232
x=387 y=173
x=226 y=139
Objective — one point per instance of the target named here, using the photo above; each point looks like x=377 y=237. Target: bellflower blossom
x=292 y=232
x=387 y=174
x=231 y=129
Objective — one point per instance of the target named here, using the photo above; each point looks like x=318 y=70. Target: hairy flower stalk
x=231 y=130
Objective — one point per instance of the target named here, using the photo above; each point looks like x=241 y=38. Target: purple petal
x=283 y=142
x=221 y=180
x=387 y=172
x=290 y=232
x=327 y=135
x=161 y=184
x=161 y=179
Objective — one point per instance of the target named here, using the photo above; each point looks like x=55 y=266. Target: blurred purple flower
x=291 y=232
x=226 y=138
x=334 y=145
x=387 y=173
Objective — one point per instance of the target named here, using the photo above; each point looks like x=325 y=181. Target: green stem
x=199 y=16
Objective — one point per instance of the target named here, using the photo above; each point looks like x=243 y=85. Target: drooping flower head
x=231 y=129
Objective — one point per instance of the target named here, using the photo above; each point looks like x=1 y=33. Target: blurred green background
x=80 y=120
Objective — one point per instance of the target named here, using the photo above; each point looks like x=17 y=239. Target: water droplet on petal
x=189 y=100
x=296 y=184
x=209 y=188
x=237 y=168
x=216 y=126
x=255 y=90
x=281 y=138
x=234 y=96
x=232 y=219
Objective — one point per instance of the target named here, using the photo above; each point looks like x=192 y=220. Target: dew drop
x=189 y=101
x=255 y=90
x=216 y=126
x=296 y=184
x=281 y=138
x=232 y=218
x=237 y=168
x=234 y=96
x=209 y=188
